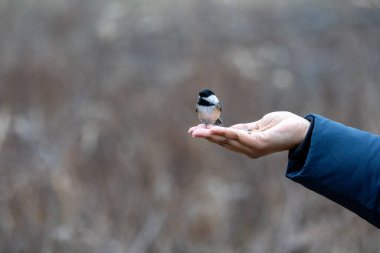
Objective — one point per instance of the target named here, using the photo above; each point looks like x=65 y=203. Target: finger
x=221 y=140
x=235 y=146
x=233 y=143
x=247 y=126
x=191 y=129
x=206 y=130
x=226 y=132
x=241 y=126
x=216 y=139
x=215 y=134
x=201 y=132
x=255 y=140
x=227 y=135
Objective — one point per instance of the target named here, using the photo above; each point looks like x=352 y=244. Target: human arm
x=334 y=160
x=341 y=163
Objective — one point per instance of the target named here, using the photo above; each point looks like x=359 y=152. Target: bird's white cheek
x=212 y=99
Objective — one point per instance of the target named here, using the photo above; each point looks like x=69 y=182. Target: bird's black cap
x=206 y=93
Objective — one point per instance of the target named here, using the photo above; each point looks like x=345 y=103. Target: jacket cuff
x=297 y=155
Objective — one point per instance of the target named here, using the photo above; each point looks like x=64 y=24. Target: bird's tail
x=219 y=122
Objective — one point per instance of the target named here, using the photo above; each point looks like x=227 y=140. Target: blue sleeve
x=340 y=163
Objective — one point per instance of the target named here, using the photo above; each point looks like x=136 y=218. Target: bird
x=208 y=108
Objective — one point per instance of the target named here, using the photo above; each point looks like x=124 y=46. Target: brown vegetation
x=96 y=98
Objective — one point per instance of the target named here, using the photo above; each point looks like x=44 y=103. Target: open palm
x=276 y=131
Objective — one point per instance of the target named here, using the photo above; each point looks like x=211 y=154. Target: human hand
x=276 y=131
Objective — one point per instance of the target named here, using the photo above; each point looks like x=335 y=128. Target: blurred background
x=96 y=98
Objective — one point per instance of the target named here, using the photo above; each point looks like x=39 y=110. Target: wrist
x=305 y=128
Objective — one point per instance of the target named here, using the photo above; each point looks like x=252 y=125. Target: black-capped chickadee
x=208 y=108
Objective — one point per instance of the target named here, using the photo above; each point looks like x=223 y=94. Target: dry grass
x=96 y=98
